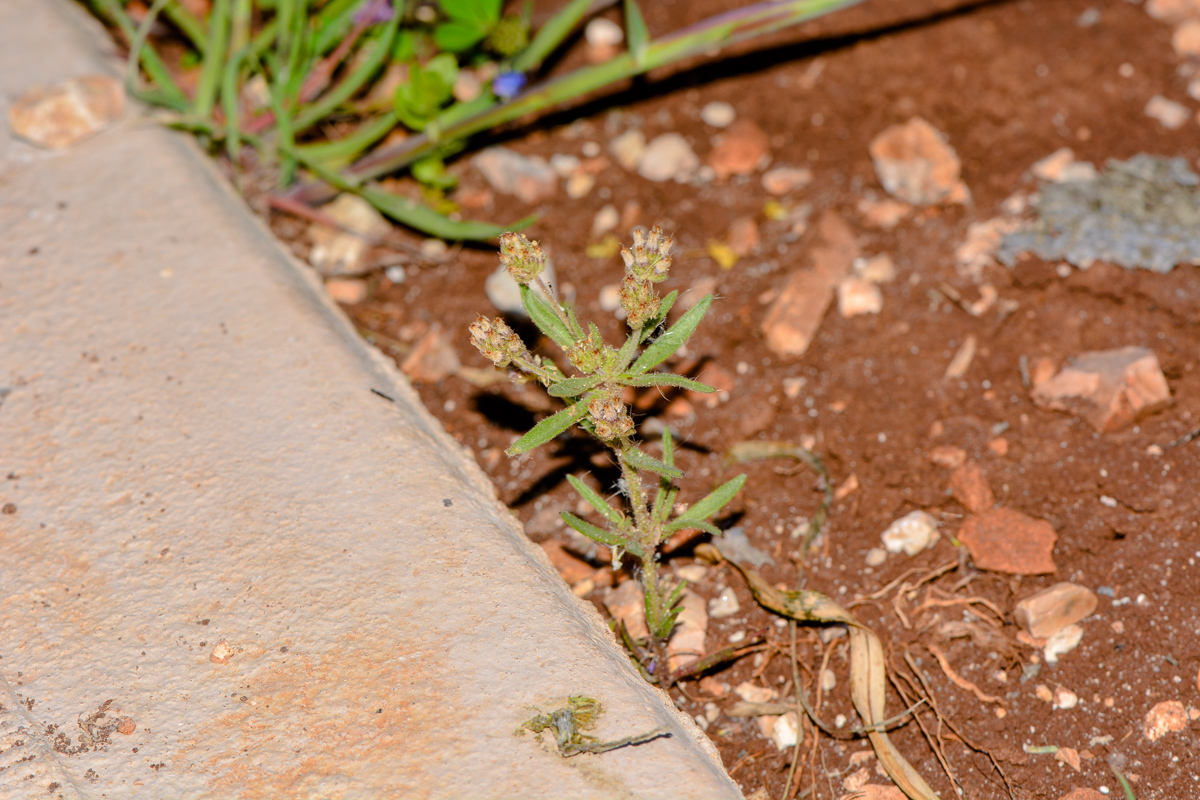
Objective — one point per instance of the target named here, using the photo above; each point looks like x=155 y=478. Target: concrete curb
x=194 y=456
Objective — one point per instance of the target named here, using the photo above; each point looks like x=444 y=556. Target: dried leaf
x=868 y=673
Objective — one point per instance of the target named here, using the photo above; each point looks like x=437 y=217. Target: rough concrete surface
x=193 y=456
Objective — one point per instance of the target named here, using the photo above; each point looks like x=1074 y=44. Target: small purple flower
x=375 y=11
x=508 y=85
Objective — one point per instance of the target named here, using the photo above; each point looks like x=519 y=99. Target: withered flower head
x=650 y=257
x=610 y=417
x=523 y=259
x=499 y=343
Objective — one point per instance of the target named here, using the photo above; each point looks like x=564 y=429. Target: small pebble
x=629 y=148
x=736 y=637
x=782 y=180
x=590 y=149
x=1064 y=698
x=606 y=219
x=828 y=680
x=718 y=114
x=876 y=556
x=1062 y=642
x=724 y=605
x=911 y=534
x=602 y=32
x=1172 y=115
x=668 y=157
x=564 y=164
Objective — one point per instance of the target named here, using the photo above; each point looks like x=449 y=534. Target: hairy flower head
x=650 y=257
x=523 y=259
x=497 y=342
x=610 y=418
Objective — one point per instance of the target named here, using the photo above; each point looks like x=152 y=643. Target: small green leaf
x=668 y=445
x=668 y=379
x=717 y=500
x=674 y=338
x=615 y=517
x=573 y=387
x=699 y=524
x=547 y=429
x=481 y=13
x=457 y=37
x=635 y=31
x=602 y=536
x=639 y=460
x=545 y=319
x=626 y=353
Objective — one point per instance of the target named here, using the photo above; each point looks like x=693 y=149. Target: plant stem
x=644 y=529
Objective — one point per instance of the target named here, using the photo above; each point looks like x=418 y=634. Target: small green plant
x=594 y=402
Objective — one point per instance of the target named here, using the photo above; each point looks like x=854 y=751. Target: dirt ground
x=1008 y=84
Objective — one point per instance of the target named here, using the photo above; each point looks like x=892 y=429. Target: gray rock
x=1141 y=213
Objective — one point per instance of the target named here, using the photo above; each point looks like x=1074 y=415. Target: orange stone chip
x=126 y=725
x=1004 y=540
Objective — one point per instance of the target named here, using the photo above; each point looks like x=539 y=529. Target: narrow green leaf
x=364 y=70
x=189 y=24
x=332 y=23
x=547 y=429
x=699 y=524
x=715 y=501
x=668 y=379
x=424 y=218
x=635 y=31
x=626 y=353
x=615 y=517
x=674 y=338
x=230 y=105
x=639 y=460
x=551 y=35
x=602 y=536
x=573 y=387
x=342 y=151
x=214 y=59
x=169 y=94
x=545 y=319
x=668 y=445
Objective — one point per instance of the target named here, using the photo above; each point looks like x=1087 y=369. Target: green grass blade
x=547 y=429
x=188 y=24
x=593 y=498
x=214 y=59
x=423 y=218
x=230 y=105
x=334 y=21
x=674 y=338
x=341 y=152
x=550 y=36
x=349 y=86
x=636 y=33
x=169 y=94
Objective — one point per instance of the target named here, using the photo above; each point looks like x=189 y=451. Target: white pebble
x=724 y=605
x=668 y=157
x=718 y=114
x=786 y=731
x=1065 y=698
x=602 y=32
x=911 y=534
x=1064 y=641
x=590 y=149
x=610 y=297
x=828 y=681
x=504 y=293
x=876 y=556
x=606 y=219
